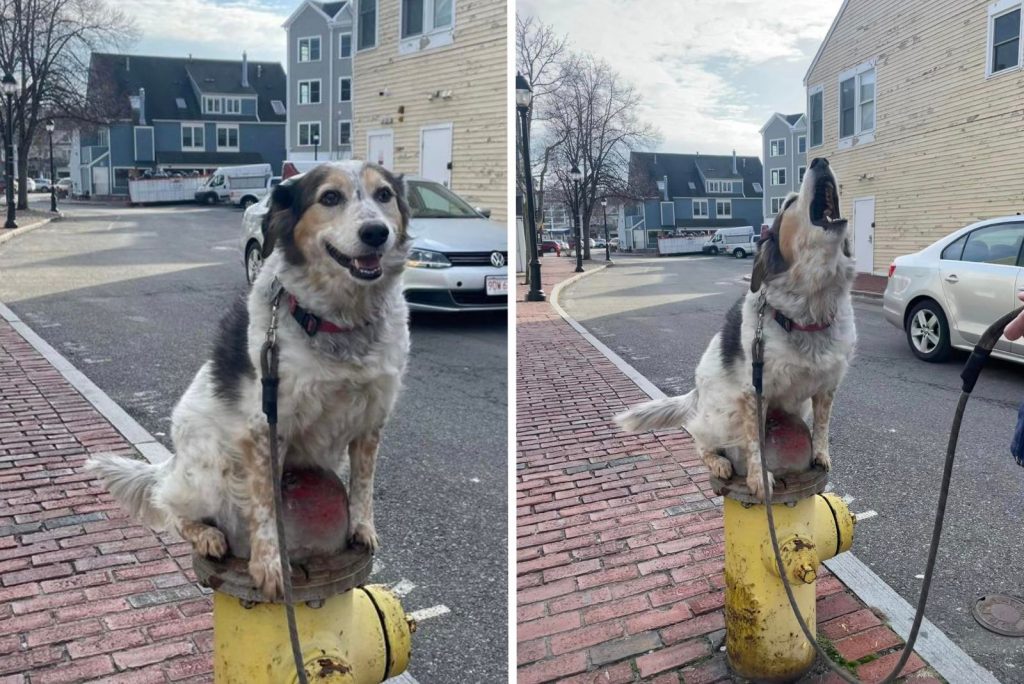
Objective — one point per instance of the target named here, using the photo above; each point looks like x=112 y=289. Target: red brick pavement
x=619 y=536
x=85 y=595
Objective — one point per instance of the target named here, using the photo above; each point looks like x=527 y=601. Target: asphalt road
x=889 y=429
x=132 y=297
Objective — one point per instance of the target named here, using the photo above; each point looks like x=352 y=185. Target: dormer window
x=309 y=49
x=232 y=105
x=211 y=105
x=720 y=186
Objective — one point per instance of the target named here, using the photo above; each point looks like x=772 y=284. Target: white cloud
x=711 y=72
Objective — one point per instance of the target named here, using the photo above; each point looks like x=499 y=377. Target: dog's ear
x=769 y=262
x=846 y=248
x=279 y=217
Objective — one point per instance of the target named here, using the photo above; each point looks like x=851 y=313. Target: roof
x=790 y=120
x=646 y=168
x=328 y=10
x=331 y=9
x=824 y=42
x=168 y=79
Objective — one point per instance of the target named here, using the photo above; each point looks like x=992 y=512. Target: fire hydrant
x=350 y=633
x=764 y=642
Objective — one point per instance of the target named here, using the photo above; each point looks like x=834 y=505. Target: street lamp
x=524 y=98
x=607 y=248
x=53 y=175
x=576 y=175
x=316 y=143
x=10 y=87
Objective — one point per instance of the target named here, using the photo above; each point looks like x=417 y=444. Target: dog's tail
x=130 y=482
x=659 y=414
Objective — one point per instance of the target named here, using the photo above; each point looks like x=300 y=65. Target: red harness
x=312 y=323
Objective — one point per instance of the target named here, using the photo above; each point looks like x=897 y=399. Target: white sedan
x=458 y=260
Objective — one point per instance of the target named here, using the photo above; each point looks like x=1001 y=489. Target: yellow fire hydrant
x=764 y=642
x=349 y=632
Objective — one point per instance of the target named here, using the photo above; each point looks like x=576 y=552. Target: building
x=320 y=86
x=178 y=114
x=784 y=150
x=431 y=93
x=917 y=106
x=691 y=192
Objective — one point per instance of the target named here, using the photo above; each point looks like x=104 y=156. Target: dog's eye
x=330 y=198
x=383 y=195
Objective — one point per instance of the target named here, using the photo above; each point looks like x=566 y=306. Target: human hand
x=1016 y=327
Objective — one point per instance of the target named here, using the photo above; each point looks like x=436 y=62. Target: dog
x=806 y=271
x=335 y=244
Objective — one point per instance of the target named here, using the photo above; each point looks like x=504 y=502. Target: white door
x=100 y=180
x=381 y=147
x=864 y=234
x=436 y=154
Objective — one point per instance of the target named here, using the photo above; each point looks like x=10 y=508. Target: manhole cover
x=1000 y=614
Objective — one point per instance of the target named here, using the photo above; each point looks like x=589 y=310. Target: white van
x=739 y=242
x=218 y=187
x=246 y=197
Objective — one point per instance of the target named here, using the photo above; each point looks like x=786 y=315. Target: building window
x=309 y=49
x=801 y=144
x=424 y=16
x=309 y=92
x=800 y=170
x=778 y=176
x=857 y=103
x=227 y=138
x=700 y=208
x=723 y=209
x=103 y=137
x=1004 y=39
x=344 y=132
x=232 y=105
x=345 y=89
x=309 y=133
x=777 y=147
x=192 y=137
x=211 y=105
x=777 y=204
x=817 y=116
x=720 y=186
x=757 y=187
x=367 y=23
x=345 y=45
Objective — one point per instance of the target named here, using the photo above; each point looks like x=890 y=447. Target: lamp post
x=524 y=98
x=316 y=144
x=10 y=87
x=576 y=175
x=607 y=247
x=53 y=175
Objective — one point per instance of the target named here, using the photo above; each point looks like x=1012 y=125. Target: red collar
x=312 y=323
x=789 y=325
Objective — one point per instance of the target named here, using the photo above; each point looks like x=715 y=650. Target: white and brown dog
x=806 y=270
x=335 y=243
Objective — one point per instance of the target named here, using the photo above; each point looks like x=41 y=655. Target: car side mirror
x=486 y=213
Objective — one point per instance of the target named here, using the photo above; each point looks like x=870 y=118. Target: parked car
x=42 y=184
x=946 y=295
x=3 y=184
x=222 y=184
x=30 y=185
x=736 y=241
x=614 y=244
x=549 y=246
x=458 y=259
x=64 y=187
x=247 y=197
x=599 y=243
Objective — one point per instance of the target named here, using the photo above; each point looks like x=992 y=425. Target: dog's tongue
x=368 y=263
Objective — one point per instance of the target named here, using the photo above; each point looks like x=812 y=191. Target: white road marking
x=402 y=588
x=427 y=613
x=378 y=565
x=865 y=515
x=848 y=499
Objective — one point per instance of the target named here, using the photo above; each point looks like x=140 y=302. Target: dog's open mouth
x=825 y=205
x=364 y=266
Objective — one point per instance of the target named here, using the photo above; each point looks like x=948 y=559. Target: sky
x=711 y=72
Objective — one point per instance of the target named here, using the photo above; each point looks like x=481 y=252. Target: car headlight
x=423 y=258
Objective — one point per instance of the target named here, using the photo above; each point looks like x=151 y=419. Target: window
x=954 y=249
x=998 y=244
x=800 y=171
x=424 y=16
x=344 y=132
x=367 y=23
x=232 y=105
x=857 y=102
x=345 y=45
x=192 y=137
x=668 y=214
x=817 y=116
x=758 y=188
x=801 y=144
x=700 y=208
x=777 y=204
x=278 y=107
x=719 y=186
x=309 y=92
x=1004 y=39
x=778 y=176
x=211 y=105
x=345 y=89
x=846 y=108
x=309 y=49
x=309 y=133
x=227 y=138
x=778 y=147
x=104 y=137
x=723 y=209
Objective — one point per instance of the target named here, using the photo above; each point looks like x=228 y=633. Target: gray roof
x=791 y=119
x=646 y=168
x=167 y=79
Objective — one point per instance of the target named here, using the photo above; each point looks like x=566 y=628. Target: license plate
x=496 y=285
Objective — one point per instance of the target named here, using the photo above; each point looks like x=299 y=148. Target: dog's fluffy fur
x=336 y=389
x=807 y=270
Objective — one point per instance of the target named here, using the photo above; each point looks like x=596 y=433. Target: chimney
x=127 y=62
x=734 y=170
x=245 y=70
x=259 y=71
x=142 y=106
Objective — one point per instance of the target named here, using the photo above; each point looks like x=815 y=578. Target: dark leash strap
x=268 y=365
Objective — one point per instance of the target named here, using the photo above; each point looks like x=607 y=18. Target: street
x=132 y=297
x=889 y=429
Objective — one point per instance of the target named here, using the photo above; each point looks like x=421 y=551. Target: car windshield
x=433 y=200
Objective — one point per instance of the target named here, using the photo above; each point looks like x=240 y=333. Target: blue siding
x=266 y=139
x=211 y=137
x=248 y=107
x=122 y=148
x=168 y=136
x=144 y=144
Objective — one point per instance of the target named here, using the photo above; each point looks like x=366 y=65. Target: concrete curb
x=938 y=650
x=21 y=230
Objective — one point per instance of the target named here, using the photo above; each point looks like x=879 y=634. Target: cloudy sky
x=711 y=71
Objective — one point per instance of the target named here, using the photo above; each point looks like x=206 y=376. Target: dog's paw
x=364 y=534
x=756 y=486
x=267 y=576
x=823 y=459
x=720 y=467
x=211 y=542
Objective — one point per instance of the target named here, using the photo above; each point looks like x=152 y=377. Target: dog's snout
x=819 y=161
x=374 y=234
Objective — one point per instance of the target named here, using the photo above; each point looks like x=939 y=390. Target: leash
x=969 y=375
x=268 y=365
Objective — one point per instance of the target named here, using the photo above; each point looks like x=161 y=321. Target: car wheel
x=739 y=253
x=713 y=251
x=928 y=332
x=253 y=261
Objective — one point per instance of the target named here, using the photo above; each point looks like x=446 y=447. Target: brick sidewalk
x=619 y=536
x=85 y=595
